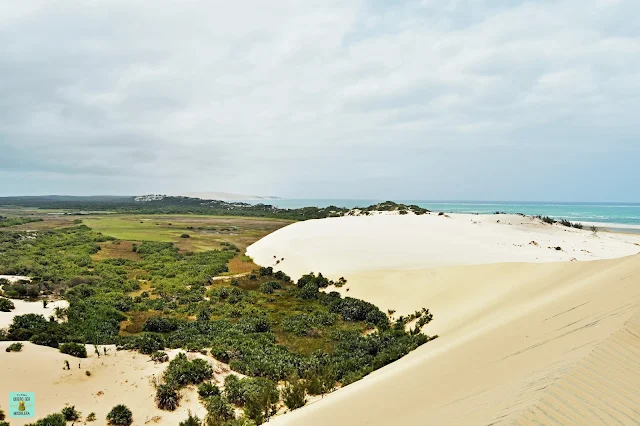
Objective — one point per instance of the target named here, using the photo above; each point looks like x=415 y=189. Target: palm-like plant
x=167 y=398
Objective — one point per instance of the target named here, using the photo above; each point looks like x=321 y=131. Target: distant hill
x=226 y=196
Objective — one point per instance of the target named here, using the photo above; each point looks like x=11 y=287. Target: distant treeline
x=185 y=205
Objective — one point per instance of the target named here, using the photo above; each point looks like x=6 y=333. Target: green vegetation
x=70 y=414
x=51 y=420
x=120 y=415
x=182 y=372
x=185 y=205
x=6 y=305
x=191 y=421
x=219 y=411
x=159 y=357
x=14 y=347
x=167 y=398
x=6 y=222
x=563 y=222
x=207 y=390
x=294 y=394
x=151 y=295
x=74 y=349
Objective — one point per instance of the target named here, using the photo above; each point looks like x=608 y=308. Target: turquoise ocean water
x=615 y=213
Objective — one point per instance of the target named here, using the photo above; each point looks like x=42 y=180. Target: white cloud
x=294 y=97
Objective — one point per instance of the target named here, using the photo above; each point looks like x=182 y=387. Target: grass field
x=204 y=233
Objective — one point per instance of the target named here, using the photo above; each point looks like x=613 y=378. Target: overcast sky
x=428 y=99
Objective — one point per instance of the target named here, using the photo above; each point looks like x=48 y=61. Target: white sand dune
x=544 y=342
x=23 y=307
x=361 y=243
x=119 y=378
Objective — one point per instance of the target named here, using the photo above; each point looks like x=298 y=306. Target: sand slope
x=123 y=377
x=521 y=343
x=561 y=348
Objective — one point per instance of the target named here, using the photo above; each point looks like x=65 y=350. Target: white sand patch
x=339 y=246
x=24 y=307
x=15 y=278
x=123 y=377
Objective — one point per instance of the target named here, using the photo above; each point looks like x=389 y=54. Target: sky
x=426 y=99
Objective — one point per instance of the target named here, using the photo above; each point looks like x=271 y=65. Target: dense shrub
x=14 y=347
x=25 y=326
x=51 y=420
x=207 y=390
x=191 y=421
x=160 y=324
x=167 y=398
x=294 y=394
x=70 y=413
x=266 y=288
x=219 y=411
x=309 y=292
x=74 y=349
x=182 y=372
x=358 y=310
x=547 y=219
x=120 y=415
x=159 y=357
x=6 y=305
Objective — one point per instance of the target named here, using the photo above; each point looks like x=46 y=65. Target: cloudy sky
x=425 y=99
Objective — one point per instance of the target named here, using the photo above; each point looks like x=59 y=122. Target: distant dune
x=528 y=334
x=226 y=196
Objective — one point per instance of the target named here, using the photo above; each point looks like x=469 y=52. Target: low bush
x=219 y=411
x=160 y=325
x=15 y=347
x=74 y=349
x=547 y=219
x=182 y=372
x=70 y=413
x=159 y=357
x=6 y=305
x=120 y=415
x=191 y=421
x=207 y=390
x=167 y=398
x=51 y=420
x=294 y=393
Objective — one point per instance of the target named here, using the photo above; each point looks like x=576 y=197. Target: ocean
x=610 y=213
